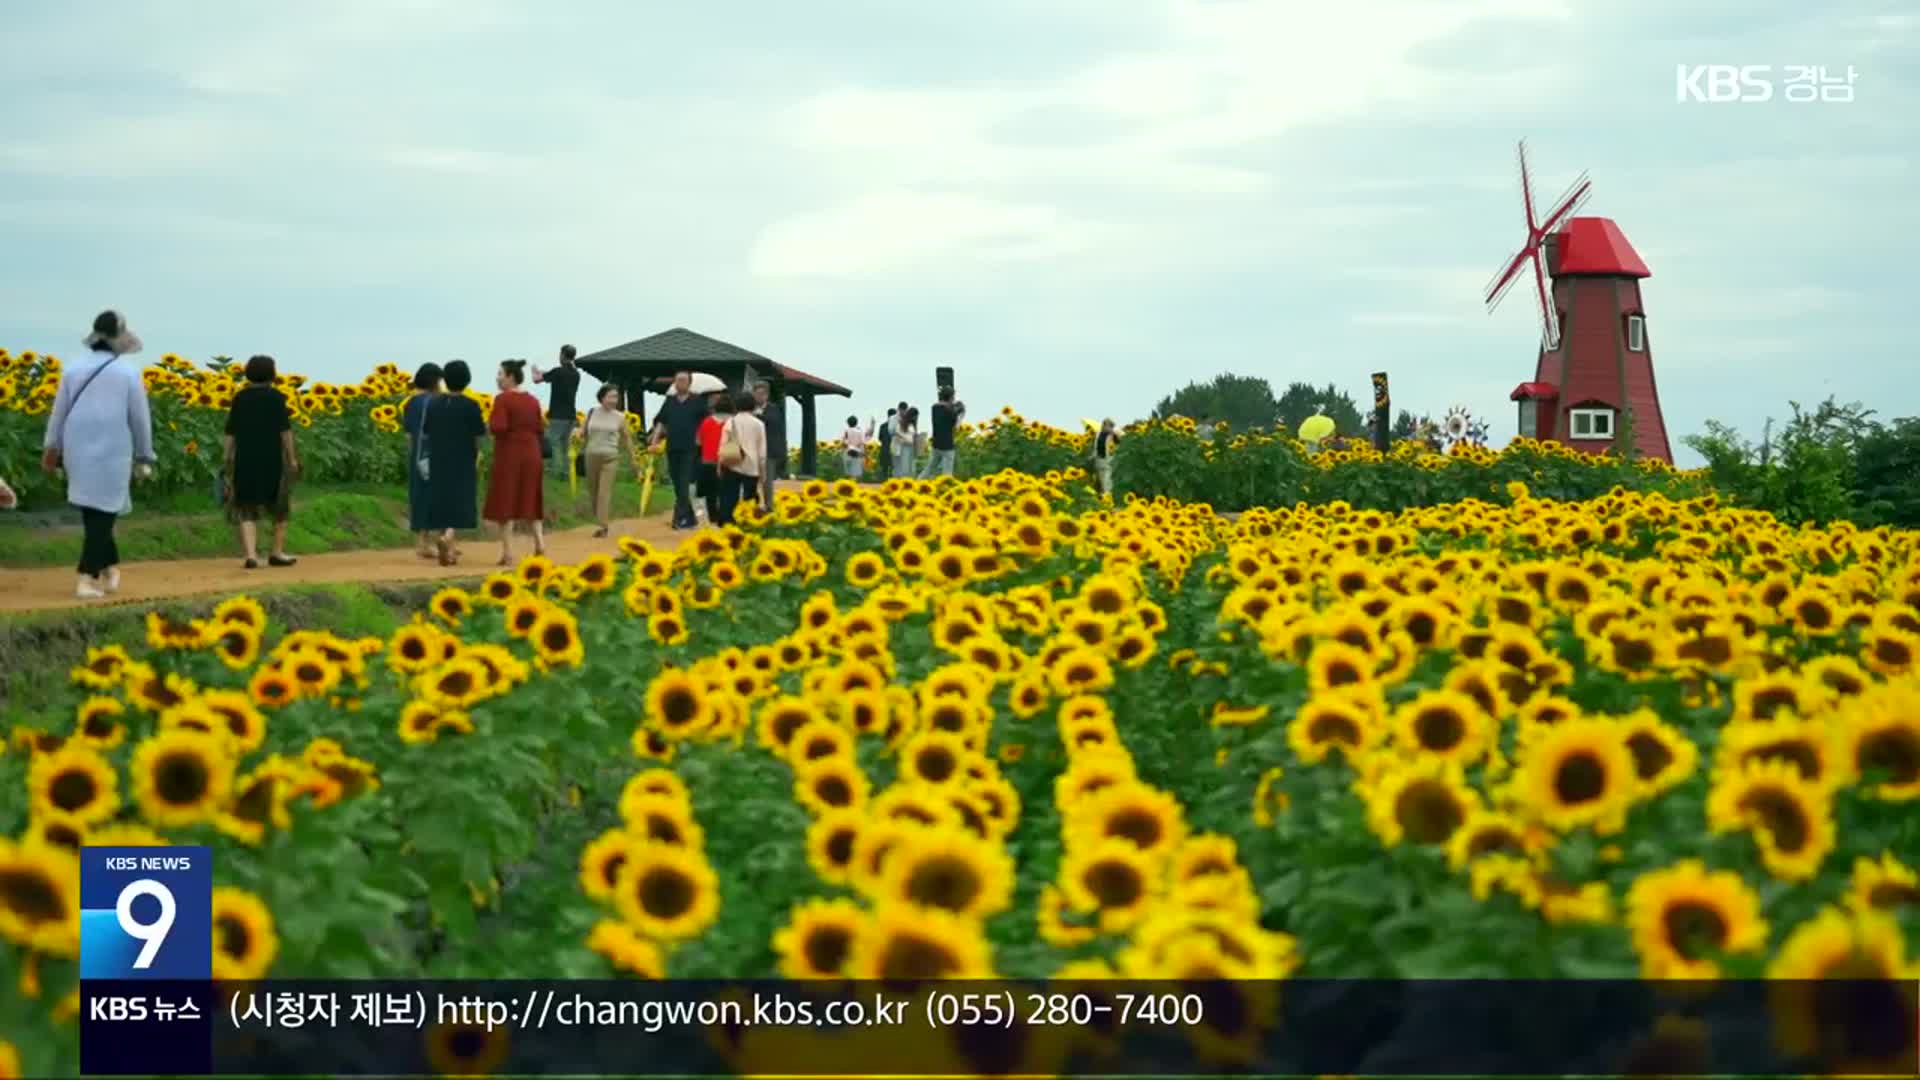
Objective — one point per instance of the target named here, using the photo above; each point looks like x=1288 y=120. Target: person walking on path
x=515 y=488
x=743 y=457
x=426 y=386
x=773 y=416
x=1103 y=445
x=260 y=462
x=678 y=425
x=563 y=389
x=605 y=439
x=100 y=431
x=904 y=434
x=855 y=440
x=708 y=482
x=947 y=414
x=453 y=427
x=886 y=445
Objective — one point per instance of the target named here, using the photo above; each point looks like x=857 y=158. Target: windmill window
x=1636 y=333
x=1590 y=423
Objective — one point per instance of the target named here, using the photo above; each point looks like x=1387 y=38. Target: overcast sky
x=1078 y=204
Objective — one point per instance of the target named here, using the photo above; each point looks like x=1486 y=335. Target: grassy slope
x=37 y=650
x=325 y=518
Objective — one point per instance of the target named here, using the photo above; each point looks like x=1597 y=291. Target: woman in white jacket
x=745 y=436
x=100 y=433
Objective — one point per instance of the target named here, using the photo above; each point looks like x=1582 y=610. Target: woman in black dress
x=426 y=388
x=454 y=429
x=261 y=462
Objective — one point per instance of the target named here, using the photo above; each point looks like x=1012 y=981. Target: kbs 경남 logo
x=146 y=913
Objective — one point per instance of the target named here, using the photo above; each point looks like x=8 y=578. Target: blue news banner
x=150 y=1007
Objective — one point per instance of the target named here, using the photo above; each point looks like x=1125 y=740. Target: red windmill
x=1594 y=372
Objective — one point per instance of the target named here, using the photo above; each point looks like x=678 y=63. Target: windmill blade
x=1549 y=324
x=1526 y=188
x=1574 y=199
x=1501 y=282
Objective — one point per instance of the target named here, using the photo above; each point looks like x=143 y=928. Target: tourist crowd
x=722 y=448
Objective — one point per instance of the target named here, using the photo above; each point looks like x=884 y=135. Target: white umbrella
x=704 y=383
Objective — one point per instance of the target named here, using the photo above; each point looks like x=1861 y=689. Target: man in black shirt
x=563 y=385
x=678 y=423
x=886 y=446
x=946 y=416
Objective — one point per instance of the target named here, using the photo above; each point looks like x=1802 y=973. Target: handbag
x=731 y=452
x=422 y=464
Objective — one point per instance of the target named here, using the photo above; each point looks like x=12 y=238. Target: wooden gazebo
x=646 y=364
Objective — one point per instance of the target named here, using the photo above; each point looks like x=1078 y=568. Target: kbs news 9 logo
x=146 y=913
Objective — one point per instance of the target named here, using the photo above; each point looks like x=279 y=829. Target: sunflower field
x=350 y=433
x=959 y=728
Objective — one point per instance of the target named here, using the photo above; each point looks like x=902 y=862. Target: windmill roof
x=1595 y=245
x=678 y=348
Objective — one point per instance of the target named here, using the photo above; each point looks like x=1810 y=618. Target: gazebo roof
x=680 y=349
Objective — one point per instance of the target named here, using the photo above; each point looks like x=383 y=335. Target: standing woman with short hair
x=454 y=428
x=101 y=432
x=516 y=487
x=743 y=455
x=413 y=415
x=261 y=462
x=605 y=439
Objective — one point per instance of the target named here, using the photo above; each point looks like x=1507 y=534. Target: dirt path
x=51 y=588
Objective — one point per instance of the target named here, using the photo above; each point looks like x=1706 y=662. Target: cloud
x=893 y=232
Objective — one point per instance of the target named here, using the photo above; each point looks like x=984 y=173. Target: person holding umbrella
x=678 y=425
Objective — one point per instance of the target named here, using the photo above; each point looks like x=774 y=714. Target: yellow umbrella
x=1314 y=429
x=646 y=483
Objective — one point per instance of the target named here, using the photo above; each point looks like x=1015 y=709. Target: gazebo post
x=809 y=437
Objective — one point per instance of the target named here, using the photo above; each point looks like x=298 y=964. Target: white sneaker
x=112 y=580
x=87 y=590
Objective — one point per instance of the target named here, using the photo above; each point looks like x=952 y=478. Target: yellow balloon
x=1315 y=428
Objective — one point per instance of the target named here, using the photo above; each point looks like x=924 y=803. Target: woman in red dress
x=516 y=489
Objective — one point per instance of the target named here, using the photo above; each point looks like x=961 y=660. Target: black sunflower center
x=556 y=638
x=1494 y=841
x=73 y=790
x=236 y=938
x=1114 y=884
x=665 y=830
x=786 y=724
x=456 y=684
x=679 y=706
x=30 y=895
x=911 y=958
x=1139 y=825
x=1893 y=894
x=1650 y=755
x=610 y=870
x=1694 y=929
x=181 y=779
x=1333 y=728
x=1428 y=811
x=839 y=847
x=1796 y=752
x=1894 y=751
x=834 y=790
x=1581 y=778
x=943 y=882
x=826 y=948
x=1781 y=815
x=665 y=893
x=935 y=764
x=1768 y=702
x=465 y=1044
x=99 y=724
x=1631 y=653
x=1439 y=729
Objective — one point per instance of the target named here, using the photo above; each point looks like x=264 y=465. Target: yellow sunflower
x=181 y=777
x=666 y=892
x=40 y=897
x=244 y=942
x=817 y=941
x=951 y=870
x=1682 y=916
x=1579 y=773
x=905 y=943
x=74 y=780
x=1791 y=817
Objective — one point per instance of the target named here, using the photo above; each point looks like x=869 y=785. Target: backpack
x=731 y=452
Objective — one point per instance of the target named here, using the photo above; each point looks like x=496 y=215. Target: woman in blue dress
x=413 y=415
